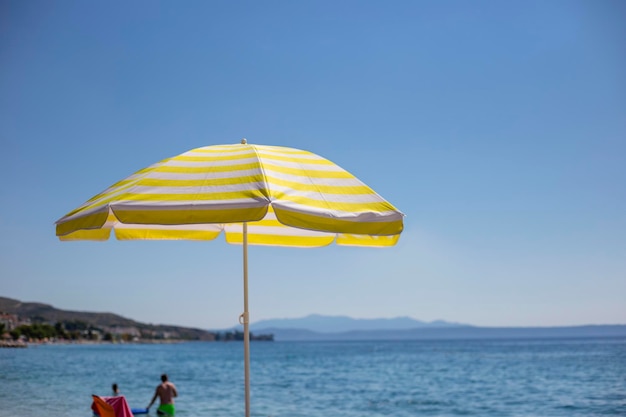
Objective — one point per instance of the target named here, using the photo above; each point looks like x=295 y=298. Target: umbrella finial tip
x=244 y=141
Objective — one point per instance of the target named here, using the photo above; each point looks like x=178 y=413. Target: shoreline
x=13 y=344
x=23 y=344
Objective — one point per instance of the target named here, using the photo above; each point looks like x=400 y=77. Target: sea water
x=577 y=377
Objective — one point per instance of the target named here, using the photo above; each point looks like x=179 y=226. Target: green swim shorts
x=166 y=409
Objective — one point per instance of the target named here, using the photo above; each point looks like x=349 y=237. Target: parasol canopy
x=289 y=197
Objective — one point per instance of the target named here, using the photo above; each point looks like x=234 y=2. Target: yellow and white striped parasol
x=258 y=195
x=289 y=197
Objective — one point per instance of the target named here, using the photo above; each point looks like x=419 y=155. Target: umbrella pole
x=246 y=331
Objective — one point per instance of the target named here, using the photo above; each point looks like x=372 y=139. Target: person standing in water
x=166 y=391
x=115 y=390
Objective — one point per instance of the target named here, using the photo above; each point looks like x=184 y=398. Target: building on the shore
x=121 y=333
x=10 y=321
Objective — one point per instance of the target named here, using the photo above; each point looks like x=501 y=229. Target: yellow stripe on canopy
x=365 y=240
x=164 y=234
x=96 y=234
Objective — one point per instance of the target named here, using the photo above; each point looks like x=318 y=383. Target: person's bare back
x=166 y=391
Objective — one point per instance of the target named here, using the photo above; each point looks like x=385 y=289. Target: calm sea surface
x=584 y=377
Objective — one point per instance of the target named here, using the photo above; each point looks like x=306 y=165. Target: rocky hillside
x=45 y=313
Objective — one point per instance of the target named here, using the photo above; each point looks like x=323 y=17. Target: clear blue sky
x=497 y=127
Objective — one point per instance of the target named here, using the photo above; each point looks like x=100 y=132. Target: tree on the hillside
x=60 y=330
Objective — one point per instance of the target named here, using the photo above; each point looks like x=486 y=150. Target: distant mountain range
x=339 y=324
x=451 y=333
x=341 y=328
